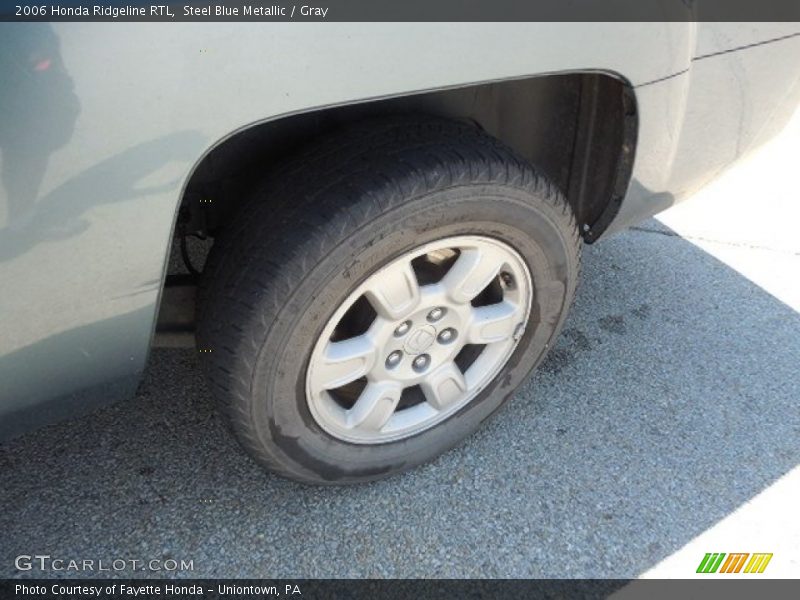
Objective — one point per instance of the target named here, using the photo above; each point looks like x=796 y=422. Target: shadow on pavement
x=670 y=400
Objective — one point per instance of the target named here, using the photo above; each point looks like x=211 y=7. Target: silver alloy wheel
x=416 y=339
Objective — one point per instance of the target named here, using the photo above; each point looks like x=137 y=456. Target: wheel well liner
x=579 y=128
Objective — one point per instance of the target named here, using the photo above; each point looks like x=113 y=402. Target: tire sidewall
x=522 y=218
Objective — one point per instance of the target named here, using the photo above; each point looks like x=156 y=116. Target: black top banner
x=404 y=10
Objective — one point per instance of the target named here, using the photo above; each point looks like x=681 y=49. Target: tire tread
x=311 y=204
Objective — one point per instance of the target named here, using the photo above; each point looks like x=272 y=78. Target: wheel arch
x=579 y=127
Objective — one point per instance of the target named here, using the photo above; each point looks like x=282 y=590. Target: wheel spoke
x=444 y=386
x=394 y=291
x=472 y=272
x=375 y=405
x=493 y=323
x=412 y=333
x=344 y=362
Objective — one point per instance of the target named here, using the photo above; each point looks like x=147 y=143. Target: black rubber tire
x=317 y=228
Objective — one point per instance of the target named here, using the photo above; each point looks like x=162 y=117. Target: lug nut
x=421 y=362
x=447 y=335
x=436 y=314
x=394 y=359
x=402 y=329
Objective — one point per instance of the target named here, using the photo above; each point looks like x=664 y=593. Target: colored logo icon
x=734 y=563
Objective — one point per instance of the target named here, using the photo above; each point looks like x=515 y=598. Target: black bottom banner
x=388 y=589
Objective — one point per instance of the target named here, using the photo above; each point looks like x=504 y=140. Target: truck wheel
x=414 y=275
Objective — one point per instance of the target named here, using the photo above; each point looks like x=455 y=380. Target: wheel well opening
x=578 y=128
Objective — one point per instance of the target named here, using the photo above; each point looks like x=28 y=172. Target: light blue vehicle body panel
x=102 y=125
